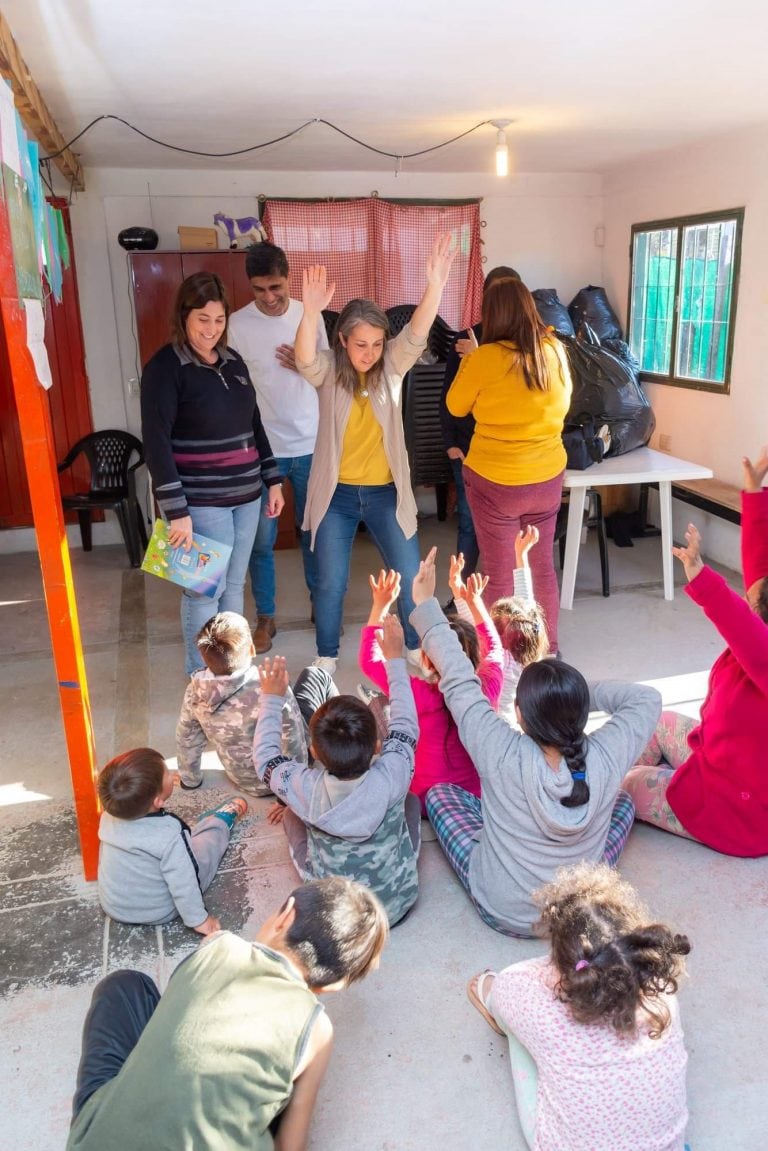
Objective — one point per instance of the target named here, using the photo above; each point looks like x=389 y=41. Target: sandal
x=480 y=1002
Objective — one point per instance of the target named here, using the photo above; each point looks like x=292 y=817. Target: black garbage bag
x=607 y=389
x=553 y=311
x=622 y=349
x=590 y=306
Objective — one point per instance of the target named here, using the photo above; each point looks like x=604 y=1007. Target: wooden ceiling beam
x=32 y=107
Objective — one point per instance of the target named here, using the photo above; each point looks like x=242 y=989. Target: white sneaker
x=326 y=662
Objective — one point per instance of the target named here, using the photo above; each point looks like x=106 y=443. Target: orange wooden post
x=58 y=588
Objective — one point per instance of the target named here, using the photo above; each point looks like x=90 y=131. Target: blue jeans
x=375 y=506
x=466 y=540
x=236 y=527
x=261 y=565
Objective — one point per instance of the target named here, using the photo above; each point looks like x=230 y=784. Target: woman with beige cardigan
x=360 y=471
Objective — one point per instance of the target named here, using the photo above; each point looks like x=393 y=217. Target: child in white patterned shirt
x=596 y=1047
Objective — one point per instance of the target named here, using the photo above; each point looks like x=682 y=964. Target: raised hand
x=455 y=580
x=690 y=555
x=273 y=676
x=316 y=292
x=754 y=474
x=440 y=259
x=475 y=586
x=524 y=541
x=385 y=588
x=425 y=578
x=391 y=639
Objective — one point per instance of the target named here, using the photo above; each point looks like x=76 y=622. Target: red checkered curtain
x=377 y=249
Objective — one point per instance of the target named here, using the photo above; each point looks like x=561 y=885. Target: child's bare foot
x=276 y=813
x=478 y=992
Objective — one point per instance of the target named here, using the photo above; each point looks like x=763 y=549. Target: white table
x=642 y=466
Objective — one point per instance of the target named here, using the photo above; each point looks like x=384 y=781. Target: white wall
x=541 y=224
x=716 y=430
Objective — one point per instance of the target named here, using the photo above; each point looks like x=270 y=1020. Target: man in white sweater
x=263 y=333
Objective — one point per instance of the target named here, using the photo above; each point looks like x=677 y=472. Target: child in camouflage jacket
x=221 y=706
x=352 y=813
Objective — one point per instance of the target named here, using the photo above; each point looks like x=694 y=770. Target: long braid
x=553 y=698
x=575 y=756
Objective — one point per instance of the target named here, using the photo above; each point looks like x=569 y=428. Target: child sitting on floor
x=550 y=792
x=351 y=814
x=440 y=755
x=152 y=866
x=233 y=1053
x=518 y=620
x=595 y=1042
x=221 y=706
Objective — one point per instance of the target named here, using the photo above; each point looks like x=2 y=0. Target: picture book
x=199 y=570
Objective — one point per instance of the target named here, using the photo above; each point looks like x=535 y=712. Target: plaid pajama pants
x=457 y=817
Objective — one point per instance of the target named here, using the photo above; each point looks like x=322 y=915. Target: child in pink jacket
x=440 y=755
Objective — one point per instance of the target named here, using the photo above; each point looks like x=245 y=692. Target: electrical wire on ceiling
x=397 y=156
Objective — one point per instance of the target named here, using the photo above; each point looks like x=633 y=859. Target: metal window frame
x=680 y=223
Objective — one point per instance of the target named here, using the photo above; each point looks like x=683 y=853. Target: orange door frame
x=53 y=550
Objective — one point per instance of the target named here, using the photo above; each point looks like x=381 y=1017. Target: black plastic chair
x=112 y=487
x=329 y=319
x=399 y=316
x=441 y=339
x=423 y=435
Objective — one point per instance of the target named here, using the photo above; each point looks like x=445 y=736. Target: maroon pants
x=499 y=512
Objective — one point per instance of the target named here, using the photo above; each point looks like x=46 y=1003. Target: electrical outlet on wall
x=665 y=443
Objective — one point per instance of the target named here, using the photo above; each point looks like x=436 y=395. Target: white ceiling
x=588 y=85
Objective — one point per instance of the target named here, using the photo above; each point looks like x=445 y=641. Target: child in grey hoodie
x=221 y=706
x=152 y=866
x=351 y=814
x=550 y=793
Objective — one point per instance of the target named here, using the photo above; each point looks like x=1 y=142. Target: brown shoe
x=263 y=632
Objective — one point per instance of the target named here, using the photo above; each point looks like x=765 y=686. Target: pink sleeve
x=371 y=660
x=491 y=670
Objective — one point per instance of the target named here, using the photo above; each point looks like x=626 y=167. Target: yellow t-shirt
x=363 y=459
x=518 y=430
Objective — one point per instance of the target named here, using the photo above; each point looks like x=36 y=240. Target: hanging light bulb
x=502 y=149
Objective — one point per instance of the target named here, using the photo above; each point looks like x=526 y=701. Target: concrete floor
x=415 y=1067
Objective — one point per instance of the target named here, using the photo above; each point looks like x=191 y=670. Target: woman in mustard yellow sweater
x=518 y=387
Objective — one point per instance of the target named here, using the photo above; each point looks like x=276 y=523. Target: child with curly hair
x=596 y=1045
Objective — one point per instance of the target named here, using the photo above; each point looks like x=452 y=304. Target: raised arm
x=690 y=555
x=475 y=718
x=385 y=589
x=316 y=295
x=437 y=271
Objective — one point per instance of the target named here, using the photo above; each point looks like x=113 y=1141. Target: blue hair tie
x=578 y=775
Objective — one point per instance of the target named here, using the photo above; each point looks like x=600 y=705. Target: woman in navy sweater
x=206 y=448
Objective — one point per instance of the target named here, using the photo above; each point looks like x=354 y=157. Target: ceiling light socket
x=502 y=150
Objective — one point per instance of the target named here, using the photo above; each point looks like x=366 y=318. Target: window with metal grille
x=682 y=304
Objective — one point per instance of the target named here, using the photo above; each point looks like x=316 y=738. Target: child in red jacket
x=708 y=781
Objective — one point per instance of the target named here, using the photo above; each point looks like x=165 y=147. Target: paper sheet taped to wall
x=36 y=341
